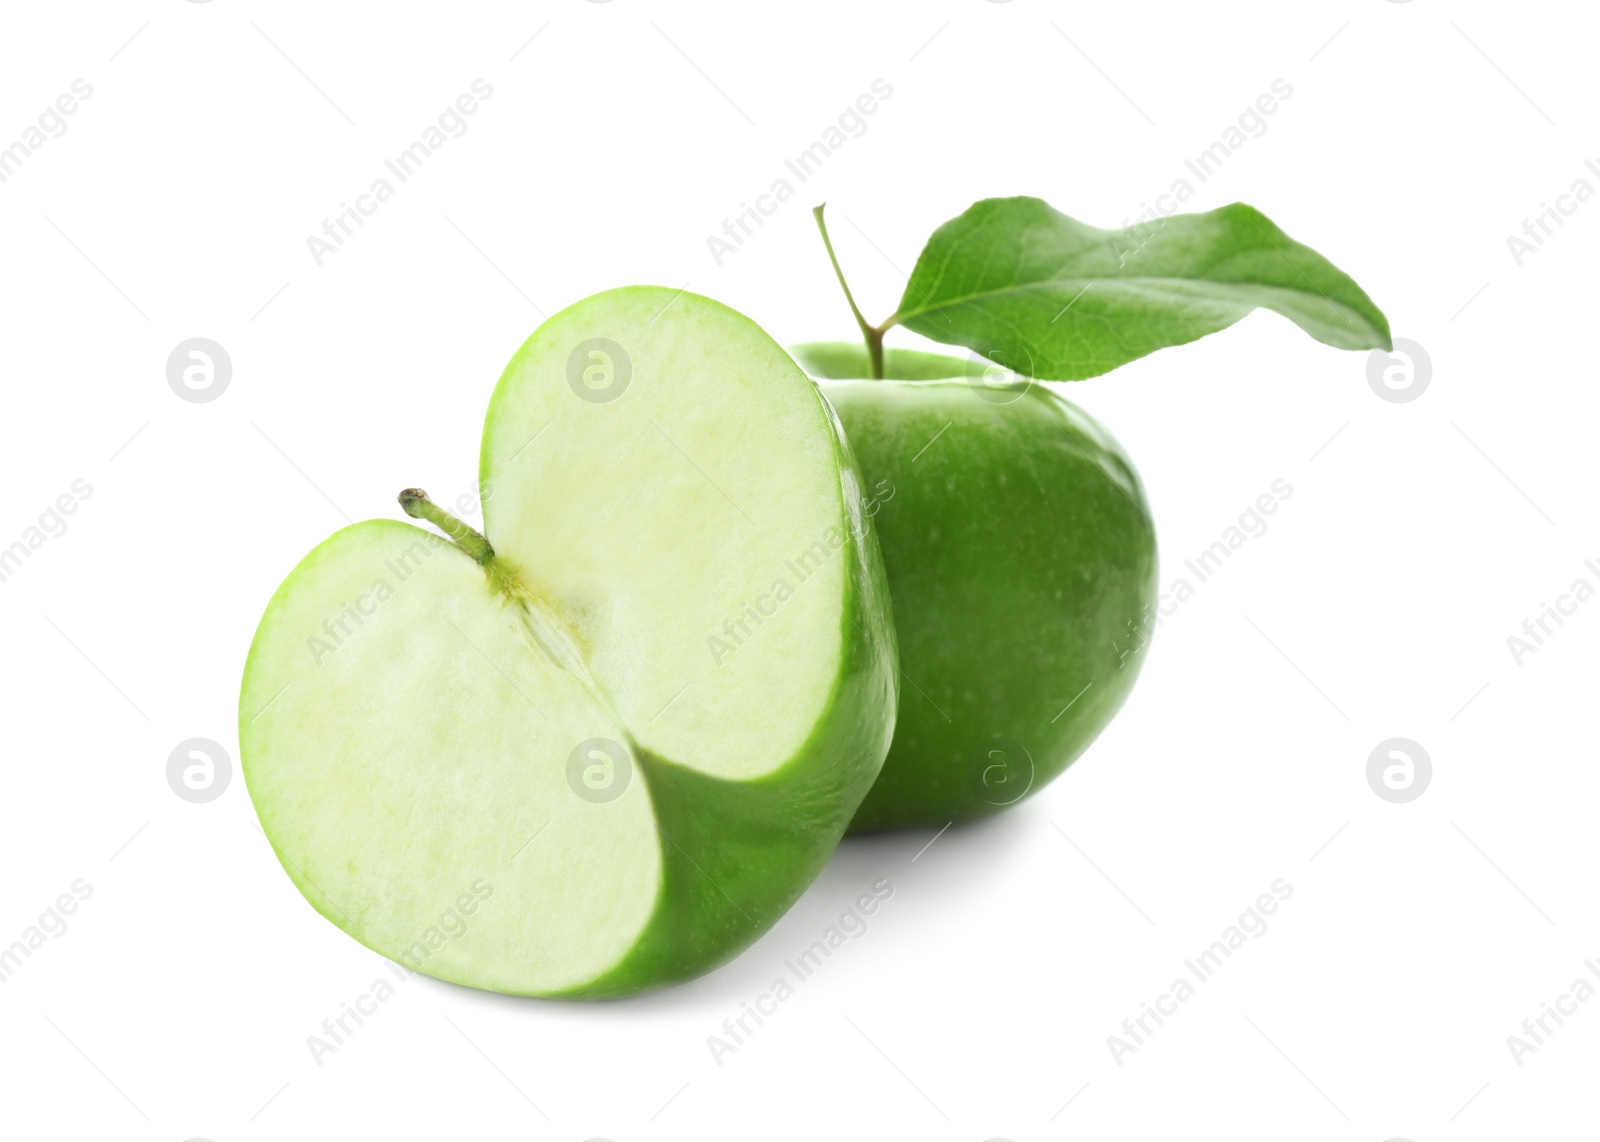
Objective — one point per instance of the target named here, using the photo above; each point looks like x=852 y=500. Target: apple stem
x=872 y=333
x=417 y=505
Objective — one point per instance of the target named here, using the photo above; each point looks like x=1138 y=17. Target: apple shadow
x=931 y=873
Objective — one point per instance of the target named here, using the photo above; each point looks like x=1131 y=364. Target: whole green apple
x=605 y=744
x=1019 y=547
x=1022 y=563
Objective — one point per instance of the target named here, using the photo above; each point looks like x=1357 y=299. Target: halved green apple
x=606 y=745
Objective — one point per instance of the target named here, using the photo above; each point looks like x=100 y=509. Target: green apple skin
x=1022 y=565
x=736 y=856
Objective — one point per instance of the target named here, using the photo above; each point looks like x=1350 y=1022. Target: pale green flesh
x=412 y=768
x=656 y=522
x=410 y=755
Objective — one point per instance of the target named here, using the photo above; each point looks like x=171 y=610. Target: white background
x=978 y=1004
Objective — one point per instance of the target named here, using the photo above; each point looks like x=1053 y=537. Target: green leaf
x=1033 y=290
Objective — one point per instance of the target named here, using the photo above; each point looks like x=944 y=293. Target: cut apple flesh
x=611 y=754
x=658 y=520
x=418 y=748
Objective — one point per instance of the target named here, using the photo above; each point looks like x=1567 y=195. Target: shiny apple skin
x=1022 y=566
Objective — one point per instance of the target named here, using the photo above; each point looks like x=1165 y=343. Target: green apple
x=1020 y=550
x=605 y=744
x=1022 y=564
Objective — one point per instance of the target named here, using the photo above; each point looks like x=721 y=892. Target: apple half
x=605 y=745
